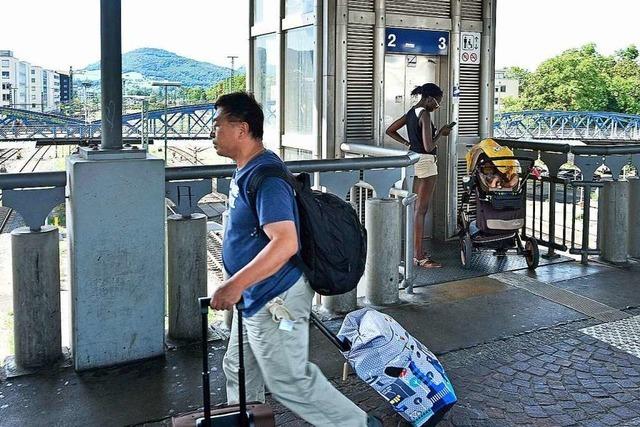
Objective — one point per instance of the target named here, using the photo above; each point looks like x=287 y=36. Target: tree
x=581 y=80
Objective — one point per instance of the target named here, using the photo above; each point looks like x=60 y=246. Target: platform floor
x=514 y=343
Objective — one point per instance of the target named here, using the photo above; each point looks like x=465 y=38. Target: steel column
x=111 y=73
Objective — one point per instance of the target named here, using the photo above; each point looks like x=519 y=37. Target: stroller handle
x=519 y=158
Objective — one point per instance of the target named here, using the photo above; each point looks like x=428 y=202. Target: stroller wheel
x=531 y=253
x=466 y=250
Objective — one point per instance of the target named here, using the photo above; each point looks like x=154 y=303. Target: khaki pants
x=279 y=359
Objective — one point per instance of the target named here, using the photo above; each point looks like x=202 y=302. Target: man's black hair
x=242 y=106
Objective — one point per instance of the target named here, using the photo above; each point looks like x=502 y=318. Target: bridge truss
x=580 y=125
x=181 y=122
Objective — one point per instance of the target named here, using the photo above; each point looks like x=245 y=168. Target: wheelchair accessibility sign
x=470 y=48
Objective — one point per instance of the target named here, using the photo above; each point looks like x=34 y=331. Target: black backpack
x=334 y=242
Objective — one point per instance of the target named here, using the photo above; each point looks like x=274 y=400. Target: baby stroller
x=496 y=179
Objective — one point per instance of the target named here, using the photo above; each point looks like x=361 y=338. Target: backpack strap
x=272 y=171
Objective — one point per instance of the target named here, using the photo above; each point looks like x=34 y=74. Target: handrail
x=59 y=179
x=372 y=150
x=592 y=150
x=10 y=181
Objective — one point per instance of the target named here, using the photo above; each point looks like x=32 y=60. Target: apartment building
x=28 y=87
x=504 y=87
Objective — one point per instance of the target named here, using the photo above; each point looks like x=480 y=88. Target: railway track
x=8 y=215
x=187 y=156
x=8 y=154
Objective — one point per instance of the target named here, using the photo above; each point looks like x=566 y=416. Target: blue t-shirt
x=243 y=237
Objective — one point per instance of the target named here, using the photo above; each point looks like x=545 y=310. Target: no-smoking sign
x=470 y=48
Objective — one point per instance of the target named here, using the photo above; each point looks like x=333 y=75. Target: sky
x=531 y=31
x=528 y=31
x=206 y=30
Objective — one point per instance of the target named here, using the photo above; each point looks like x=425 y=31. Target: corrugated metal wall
x=361 y=5
x=431 y=8
x=360 y=82
x=469 y=113
x=472 y=10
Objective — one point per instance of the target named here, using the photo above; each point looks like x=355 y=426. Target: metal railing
x=567 y=220
x=408 y=199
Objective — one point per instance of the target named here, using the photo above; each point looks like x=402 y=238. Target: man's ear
x=244 y=129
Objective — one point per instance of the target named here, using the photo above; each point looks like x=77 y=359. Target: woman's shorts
x=427 y=166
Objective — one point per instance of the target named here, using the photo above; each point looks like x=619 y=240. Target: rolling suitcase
x=256 y=414
x=394 y=364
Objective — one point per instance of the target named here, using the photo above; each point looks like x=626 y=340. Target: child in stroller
x=496 y=182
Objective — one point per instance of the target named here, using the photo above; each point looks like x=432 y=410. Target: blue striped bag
x=397 y=366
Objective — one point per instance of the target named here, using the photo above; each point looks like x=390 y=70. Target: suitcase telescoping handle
x=206 y=393
x=343 y=346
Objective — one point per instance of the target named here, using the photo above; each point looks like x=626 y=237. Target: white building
x=27 y=87
x=505 y=87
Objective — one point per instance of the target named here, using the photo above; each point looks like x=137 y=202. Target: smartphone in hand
x=451 y=125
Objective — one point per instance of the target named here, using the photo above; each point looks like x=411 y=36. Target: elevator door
x=402 y=73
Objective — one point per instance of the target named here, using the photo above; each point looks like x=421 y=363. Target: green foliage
x=159 y=64
x=197 y=95
x=581 y=80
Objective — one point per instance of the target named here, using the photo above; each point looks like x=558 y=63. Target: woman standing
x=422 y=140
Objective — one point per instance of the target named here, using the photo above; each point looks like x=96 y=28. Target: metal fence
x=562 y=206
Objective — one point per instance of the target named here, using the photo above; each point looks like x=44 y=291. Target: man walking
x=260 y=238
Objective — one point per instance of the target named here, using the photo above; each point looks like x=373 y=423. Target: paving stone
x=590 y=384
x=520 y=366
x=609 y=403
x=581 y=397
x=600 y=379
x=561 y=395
x=568 y=404
x=544 y=399
x=630 y=372
x=552 y=367
x=563 y=420
x=612 y=388
x=536 y=371
x=514 y=408
x=610 y=420
x=628 y=383
x=506 y=370
x=624 y=413
x=537 y=363
x=547 y=358
x=523 y=376
x=598 y=392
x=521 y=357
x=555 y=385
x=563 y=362
x=535 y=411
x=521 y=383
x=623 y=397
x=563 y=354
x=553 y=409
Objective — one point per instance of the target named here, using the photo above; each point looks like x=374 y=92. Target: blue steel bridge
x=180 y=122
x=579 y=125
x=194 y=122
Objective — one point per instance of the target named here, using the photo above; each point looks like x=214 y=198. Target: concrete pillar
x=613 y=221
x=340 y=304
x=634 y=226
x=36 y=296
x=381 y=278
x=116 y=224
x=186 y=273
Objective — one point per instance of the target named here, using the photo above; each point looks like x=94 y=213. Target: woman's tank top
x=414 y=131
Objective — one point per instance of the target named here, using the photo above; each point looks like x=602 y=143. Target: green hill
x=159 y=64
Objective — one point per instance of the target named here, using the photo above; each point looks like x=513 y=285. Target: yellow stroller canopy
x=492 y=150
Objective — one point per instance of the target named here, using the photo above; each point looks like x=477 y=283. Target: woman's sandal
x=426 y=262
